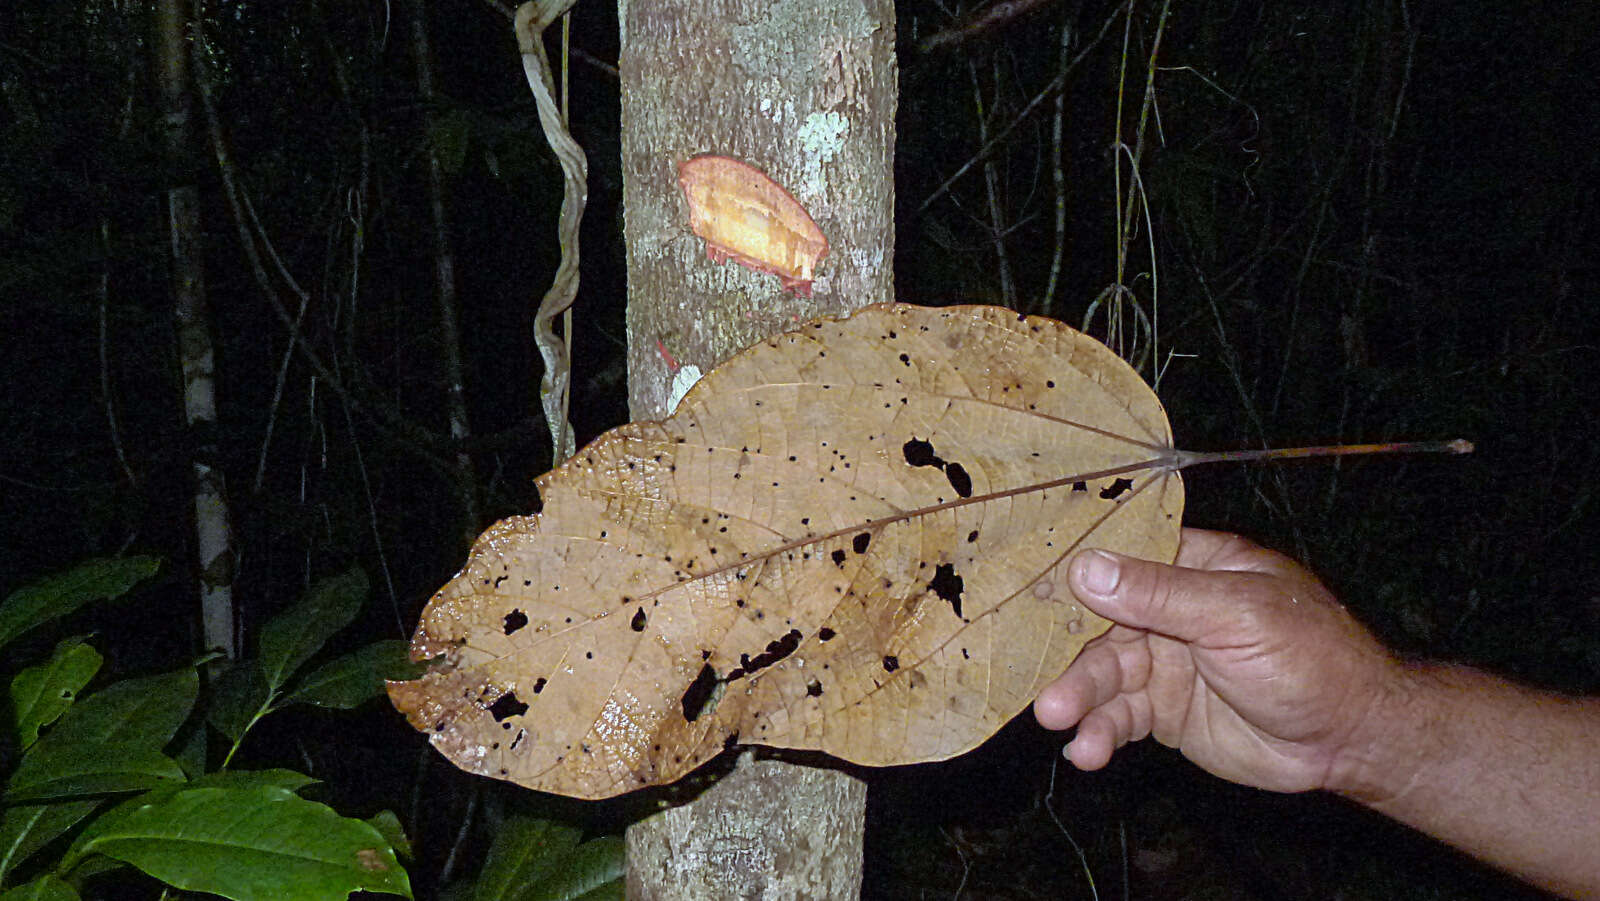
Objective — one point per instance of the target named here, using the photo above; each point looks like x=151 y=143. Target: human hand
x=1235 y=655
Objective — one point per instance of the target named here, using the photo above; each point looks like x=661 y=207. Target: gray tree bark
x=192 y=319
x=804 y=90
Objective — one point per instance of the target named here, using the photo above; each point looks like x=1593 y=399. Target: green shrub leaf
x=25 y=828
x=523 y=852
x=592 y=871
x=238 y=695
x=538 y=860
x=41 y=693
x=262 y=843
x=45 y=888
x=388 y=826
x=50 y=771
x=357 y=677
x=60 y=594
x=289 y=639
x=145 y=711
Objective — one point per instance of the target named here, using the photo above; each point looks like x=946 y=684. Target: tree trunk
x=192 y=320
x=444 y=278
x=804 y=91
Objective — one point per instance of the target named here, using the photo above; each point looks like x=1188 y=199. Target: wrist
x=1392 y=745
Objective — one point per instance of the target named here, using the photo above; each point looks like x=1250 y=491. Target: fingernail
x=1100 y=572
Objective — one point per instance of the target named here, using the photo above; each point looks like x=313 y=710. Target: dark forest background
x=1360 y=222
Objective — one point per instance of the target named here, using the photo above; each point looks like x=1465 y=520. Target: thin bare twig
x=1058 y=178
x=996 y=225
x=995 y=16
x=104 y=292
x=1050 y=90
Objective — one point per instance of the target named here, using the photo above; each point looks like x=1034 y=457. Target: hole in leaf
x=776 y=650
x=890 y=663
x=515 y=620
x=948 y=586
x=507 y=706
x=959 y=480
x=1115 y=489
x=920 y=453
x=860 y=542
x=700 y=693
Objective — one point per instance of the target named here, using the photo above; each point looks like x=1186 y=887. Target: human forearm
x=1509 y=775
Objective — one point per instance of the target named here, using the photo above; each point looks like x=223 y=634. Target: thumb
x=1156 y=597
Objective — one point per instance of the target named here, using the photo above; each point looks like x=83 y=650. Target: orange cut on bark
x=849 y=538
x=745 y=216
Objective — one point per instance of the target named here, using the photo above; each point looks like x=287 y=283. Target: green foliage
x=63 y=593
x=356 y=677
x=539 y=860
x=294 y=636
x=255 y=687
x=40 y=694
x=241 y=835
x=245 y=842
x=45 y=888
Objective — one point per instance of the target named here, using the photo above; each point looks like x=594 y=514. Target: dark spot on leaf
x=860 y=542
x=948 y=586
x=825 y=633
x=539 y=684
x=972 y=536
x=1115 y=489
x=699 y=693
x=890 y=663
x=507 y=706
x=515 y=620
x=906 y=359
x=637 y=624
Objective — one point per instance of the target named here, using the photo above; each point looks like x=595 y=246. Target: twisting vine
x=532 y=19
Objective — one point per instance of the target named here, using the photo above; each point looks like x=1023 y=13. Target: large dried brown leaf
x=850 y=538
